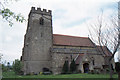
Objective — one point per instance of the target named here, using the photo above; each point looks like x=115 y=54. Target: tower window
x=41 y=21
x=93 y=62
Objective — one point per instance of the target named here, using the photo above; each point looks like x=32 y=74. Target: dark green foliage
x=65 y=67
x=72 y=66
x=8 y=65
x=17 y=66
x=117 y=66
x=4 y=68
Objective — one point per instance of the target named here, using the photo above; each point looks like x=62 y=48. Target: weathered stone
x=38 y=41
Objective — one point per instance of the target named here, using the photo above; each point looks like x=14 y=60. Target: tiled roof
x=79 y=58
x=59 y=39
x=107 y=54
x=106 y=50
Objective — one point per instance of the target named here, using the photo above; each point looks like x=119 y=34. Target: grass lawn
x=11 y=74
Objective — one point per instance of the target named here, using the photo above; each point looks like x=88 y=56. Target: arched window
x=41 y=21
x=93 y=62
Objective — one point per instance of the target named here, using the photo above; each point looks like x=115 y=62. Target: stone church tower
x=38 y=41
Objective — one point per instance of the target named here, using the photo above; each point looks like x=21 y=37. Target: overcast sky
x=70 y=17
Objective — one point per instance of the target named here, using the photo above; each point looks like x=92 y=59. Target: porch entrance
x=86 y=67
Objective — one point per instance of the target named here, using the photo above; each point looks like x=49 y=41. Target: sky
x=70 y=17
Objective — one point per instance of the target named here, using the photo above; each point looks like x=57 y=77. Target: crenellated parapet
x=39 y=11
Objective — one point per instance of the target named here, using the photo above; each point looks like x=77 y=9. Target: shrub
x=4 y=68
x=72 y=66
x=117 y=67
x=17 y=67
x=65 y=67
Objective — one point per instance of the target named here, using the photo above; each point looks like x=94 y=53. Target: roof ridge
x=70 y=36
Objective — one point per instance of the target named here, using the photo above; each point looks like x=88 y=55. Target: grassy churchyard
x=11 y=74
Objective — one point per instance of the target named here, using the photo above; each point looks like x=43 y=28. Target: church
x=43 y=49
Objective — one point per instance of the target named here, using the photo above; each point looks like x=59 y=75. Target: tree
x=72 y=66
x=107 y=33
x=4 y=68
x=8 y=65
x=9 y=15
x=117 y=67
x=17 y=66
x=65 y=67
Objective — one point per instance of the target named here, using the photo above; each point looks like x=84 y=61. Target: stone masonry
x=38 y=41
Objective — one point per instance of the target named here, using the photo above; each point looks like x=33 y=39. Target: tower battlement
x=39 y=11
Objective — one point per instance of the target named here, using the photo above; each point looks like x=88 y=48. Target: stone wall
x=59 y=57
x=38 y=41
x=58 y=60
